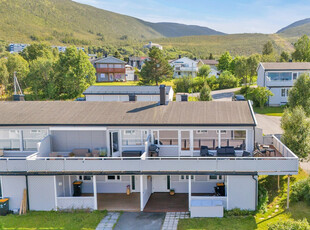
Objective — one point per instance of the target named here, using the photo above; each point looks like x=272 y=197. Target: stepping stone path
x=172 y=219
x=108 y=221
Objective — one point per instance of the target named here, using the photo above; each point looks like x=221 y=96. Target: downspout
x=28 y=205
x=256 y=191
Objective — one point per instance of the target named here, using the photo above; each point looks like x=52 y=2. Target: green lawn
x=270 y=111
x=53 y=220
x=276 y=210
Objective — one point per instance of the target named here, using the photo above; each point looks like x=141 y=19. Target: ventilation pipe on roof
x=180 y=56
x=162 y=93
x=105 y=55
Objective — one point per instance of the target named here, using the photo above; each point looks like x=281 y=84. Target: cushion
x=80 y=152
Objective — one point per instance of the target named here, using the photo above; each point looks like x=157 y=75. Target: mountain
x=66 y=21
x=296 y=29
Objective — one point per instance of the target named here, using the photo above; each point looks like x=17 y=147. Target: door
x=114 y=144
x=159 y=184
x=185 y=143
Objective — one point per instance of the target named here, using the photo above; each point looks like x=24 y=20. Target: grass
x=276 y=210
x=270 y=111
x=53 y=220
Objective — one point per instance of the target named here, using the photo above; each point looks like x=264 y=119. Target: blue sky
x=229 y=16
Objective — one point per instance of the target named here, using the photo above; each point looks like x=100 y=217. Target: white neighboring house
x=279 y=77
x=151 y=44
x=129 y=73
x=184 y=67
x=127 y=93
x=213 y=65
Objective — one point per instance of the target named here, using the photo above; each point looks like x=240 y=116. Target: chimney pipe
x=180 y=56
x=162 y=91
x=106 y=55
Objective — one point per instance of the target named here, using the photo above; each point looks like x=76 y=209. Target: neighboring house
x=63 y=48
x=110 y=69
x=130 y=73
x=73 y=155
x=184 y=67
x=213 y=64
x=151 y=44
x=137 y=62
x=127 y=93
x=279 y=77
x=17 y=48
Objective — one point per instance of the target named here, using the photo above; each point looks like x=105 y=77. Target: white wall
x=241 y=192
x=277 y=99
x=260 y=75
x=44 y=147
x=41 y=193
x=147 y=189
x=13 y=188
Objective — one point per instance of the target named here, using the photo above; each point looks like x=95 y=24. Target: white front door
x=159 y=184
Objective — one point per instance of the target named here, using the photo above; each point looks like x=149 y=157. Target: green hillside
x=296 y=30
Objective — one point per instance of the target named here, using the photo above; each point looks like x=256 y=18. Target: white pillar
x=55 y=190
x=219 y=139
x=189 y=191
x=70 y=186
x=141 y=193
x=95 y=192
x=288 y=193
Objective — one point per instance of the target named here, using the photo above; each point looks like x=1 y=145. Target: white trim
x=141 y=193
x=189 y=192
x=70 y=189
x=73 y=128
x=115 y=180
x=95 y=192
x=55 y=190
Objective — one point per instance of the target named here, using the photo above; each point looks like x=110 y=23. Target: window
x=284 y=92
x=216 y=177
x=85 y=178
x=186 y=177
x=168 y=182
x=234 y=138
x=10 y=139
x=113 y=178
x=222 y=131
x=280 y=76
x=201 y=131
x=205 y=138
x=133 y=183
x=32 y=137
x=295 y=75
x=168 y=137
x=134 y=137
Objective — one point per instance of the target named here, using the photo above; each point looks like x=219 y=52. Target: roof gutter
x=252 y=113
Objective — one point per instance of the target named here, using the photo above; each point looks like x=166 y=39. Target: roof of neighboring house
x=209 y=62
x=137 y=58
x=286 y=65
x=181 y=60
x=124 y=90
x=195 y=113
x=109 y=60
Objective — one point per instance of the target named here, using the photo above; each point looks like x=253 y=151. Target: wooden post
x=288 y=193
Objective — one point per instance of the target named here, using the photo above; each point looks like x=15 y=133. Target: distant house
x=110 y=69
x=184 y=67
x=151 y=44
x=137 y=62
x=17 y=48
x=130 y=73
x=127 y=93
x=213 y=64
x=279 y=77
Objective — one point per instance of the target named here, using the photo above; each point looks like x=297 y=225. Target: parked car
x=80 y=99
x=238 y=98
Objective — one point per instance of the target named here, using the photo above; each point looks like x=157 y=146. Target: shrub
x=290 y=225
x=205 y=93
x=301 y=191
x=227 y=80
x=212 y=82
x=197 y=84
x=239 y=212
x=260 y=96
x=183 y=85
x=262 y=199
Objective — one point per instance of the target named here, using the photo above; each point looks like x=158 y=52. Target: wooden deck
x=164 y=202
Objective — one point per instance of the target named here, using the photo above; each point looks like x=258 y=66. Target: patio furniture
x=269 y=150
x=246 y=154
x=80 y=152
x=132 y=153
x=262 y=150
x=95 y=153
x=227 y=151
x=204 y=151
x=153 y=150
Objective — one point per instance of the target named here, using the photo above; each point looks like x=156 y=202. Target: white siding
x=277 y=99
x=13 y=188
x=241 y=192
x=260 y=75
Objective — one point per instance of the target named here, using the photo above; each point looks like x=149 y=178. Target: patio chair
x=246 y=154
x=204 y=151
x=262 y=150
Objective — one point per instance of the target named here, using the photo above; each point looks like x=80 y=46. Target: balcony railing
x=110 y=70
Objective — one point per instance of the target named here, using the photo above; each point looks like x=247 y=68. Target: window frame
x=142 y=132
x=158 y=136
x=117 y=178
x=186 y=177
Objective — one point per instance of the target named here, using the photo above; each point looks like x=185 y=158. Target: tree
x=37 y=50
x=252 y=64
x=268 y=48
x=157 y=69
x=183 y=85
x=117 y=55
x=240 y=68
x=224 y=62
x=17 y=63
x=211 y=56
x=4 y=73
x=227 y=80
x=296 y=126
x=260 y=96
x=299 y=94
x=284 y=57
x=204 y=71
x=73 y=73
x=302 y=49
x=205 y=93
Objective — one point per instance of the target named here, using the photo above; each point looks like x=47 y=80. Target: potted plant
x=103 y=152
x=172 y=192
x=128 y=190
x=71 y=155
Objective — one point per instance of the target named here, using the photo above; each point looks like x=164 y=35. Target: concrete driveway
x=140 y=221
x=223 y=94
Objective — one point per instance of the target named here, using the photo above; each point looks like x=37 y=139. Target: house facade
x=110 y=69
x=137 y=62
x=213 y=65
x=127 y=93
x=151 y=45
x=184 y=67
x=279 y=78
x=95 y=154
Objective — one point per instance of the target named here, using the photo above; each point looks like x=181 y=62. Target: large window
x=133 y=137
x=166 y=137
x=280 y=76
x=235 y=138
x=205 y=138
x=31 y=137
x=10 y=139
x=284 y=92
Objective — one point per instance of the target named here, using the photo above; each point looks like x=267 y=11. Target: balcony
x=186 y=69
x=110 y=70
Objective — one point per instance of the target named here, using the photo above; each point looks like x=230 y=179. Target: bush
x=239 y=212
x=227 y=80
x=212 y=82
x=205 y=93
x=262 y=199
x=183 y=85
x=290 y=225
x=301 y=191
x=260 y=96
x=197 y=84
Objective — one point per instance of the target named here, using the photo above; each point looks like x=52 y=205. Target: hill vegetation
x=296 y=29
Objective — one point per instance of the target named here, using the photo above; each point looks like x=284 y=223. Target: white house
x=279 y=77
x=129 y=73
x=184 y=67
x=213 y=65
x=127 y=93
x=68 y=154
x=151 y=45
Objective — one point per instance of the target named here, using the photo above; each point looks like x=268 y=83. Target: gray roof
x=286 y=65
x=48 y=113
x=209 y=62
x=124 y=90
x=109 y=60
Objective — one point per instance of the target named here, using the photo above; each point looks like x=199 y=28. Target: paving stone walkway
x=172 y=219
x=108 y=221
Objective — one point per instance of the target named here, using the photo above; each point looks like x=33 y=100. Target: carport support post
x=141 y=193
x=95 y=192
x=288 y=193
x=189 y=191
